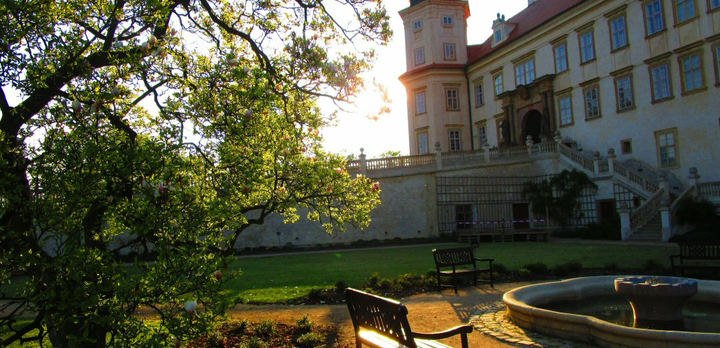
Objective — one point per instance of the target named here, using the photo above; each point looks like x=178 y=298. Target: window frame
x=427 y=143
x=565 y=60
x=530 y=62
x=581 y=48
x=596 y=88
x=417 y=102
x=683 y=80
x=711 y=7
x=448 y=21
x=421 y=51
x=565 y=96
x=479 y=97
x=497 y=35
x=417 y=27
x=629 y=78
x=660 y=15
x=482 y=134
x=501 y=85
x=675 y=146
x=676 y=11
x=452 y=46
x=626 y=150
x=625 y=35
x=716 y=62
x=452 y=99
x=452 y=140
x=653 y=90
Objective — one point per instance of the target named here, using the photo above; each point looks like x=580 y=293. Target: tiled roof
x=526 y=20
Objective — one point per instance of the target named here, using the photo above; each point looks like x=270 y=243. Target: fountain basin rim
x=521 y=304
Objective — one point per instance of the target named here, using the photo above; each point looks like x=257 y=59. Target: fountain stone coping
x=522 y=302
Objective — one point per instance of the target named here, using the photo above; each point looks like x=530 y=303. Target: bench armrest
x=487 y=260
x=463 y=330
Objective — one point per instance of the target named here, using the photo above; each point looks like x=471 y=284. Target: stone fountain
x=657 y=302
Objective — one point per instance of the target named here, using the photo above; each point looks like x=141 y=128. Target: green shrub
x=315 y=293
x=608 y=229
x=698 y=212
x=567 y=269
x=256 y=342
x=266 y=329
x=384 y=284
x=310 y=340
x=374 y=280
x=340 y=286
x=524 y=273
x=499 y=268
x=304 y=324
x=536 y=268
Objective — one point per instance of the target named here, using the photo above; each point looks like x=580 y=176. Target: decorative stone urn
x=657 y=302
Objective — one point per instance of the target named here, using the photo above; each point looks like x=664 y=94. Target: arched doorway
x=532 y=126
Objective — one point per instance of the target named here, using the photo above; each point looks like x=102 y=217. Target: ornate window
x=448 y=21
x=624 y=93
x=666 y=141
x=561 y=61
x=498 y=83
x=525 y=72
x=452 y=101
x=618 y=33
x=654 y=20
x=684 y=10
x=716 y=53
x=587 y=47
x=422 y=140
x=565 y=110
x=592 y=102
x=498 y=36
x=419 y=56
x=660 y=82
x=713 y=4
x=449 y=49
x=420 y=103
x=482 y=134
x=479 y=94
x=691 y=72
x=626 y=146
x=417 y=25
x=455 y=140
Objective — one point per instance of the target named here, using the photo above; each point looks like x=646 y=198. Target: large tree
x=163 y=128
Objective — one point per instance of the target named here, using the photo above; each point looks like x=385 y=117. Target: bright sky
x=389 y=132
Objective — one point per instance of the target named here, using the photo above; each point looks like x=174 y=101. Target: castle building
x=639 y=77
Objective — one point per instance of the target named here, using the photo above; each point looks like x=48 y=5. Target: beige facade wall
x=693 y=117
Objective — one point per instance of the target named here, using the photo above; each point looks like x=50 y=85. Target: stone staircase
x=651 y=231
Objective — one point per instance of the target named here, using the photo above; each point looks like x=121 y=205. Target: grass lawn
x=283 y=277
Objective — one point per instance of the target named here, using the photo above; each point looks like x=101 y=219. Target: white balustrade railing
x=646 y=211
x=576 y=157
x=709 y=189
x=637 y=179
x=463 y=156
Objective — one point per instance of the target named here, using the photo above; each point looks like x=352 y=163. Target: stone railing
x=498 y=153
x=639 y=180
x=395 y=162
x=576 y=157
x=463 y=156
x=646 y=211
x=709 y=189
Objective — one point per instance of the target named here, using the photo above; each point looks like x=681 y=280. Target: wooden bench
x=382 y=323
x=696 y=255
x=459 y=263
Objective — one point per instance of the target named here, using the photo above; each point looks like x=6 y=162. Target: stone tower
x=435 y=80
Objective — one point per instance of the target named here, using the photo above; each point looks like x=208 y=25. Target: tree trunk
x=81 y=334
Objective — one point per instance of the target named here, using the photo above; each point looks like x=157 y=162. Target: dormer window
x=448 y=21
x=417 y=25
x=498 y=36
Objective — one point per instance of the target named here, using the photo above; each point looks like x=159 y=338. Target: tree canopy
x=163 y=128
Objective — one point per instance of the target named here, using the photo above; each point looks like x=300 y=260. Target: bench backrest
x=700 y=251
x=379 y=314
x=454 y=257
